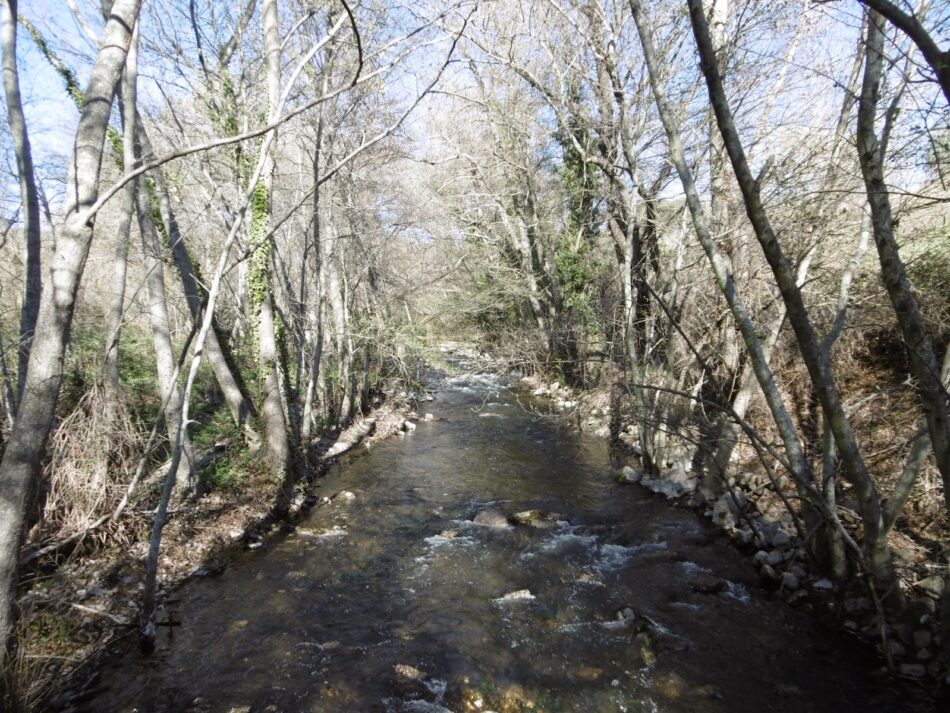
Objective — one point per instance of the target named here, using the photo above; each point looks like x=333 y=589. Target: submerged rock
x=628 y=475
x=670 y=686
x=491 y=518
x=527 y=517
x=515 y=700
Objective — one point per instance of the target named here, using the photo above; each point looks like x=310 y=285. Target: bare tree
x=22 y=458
x=27 y=179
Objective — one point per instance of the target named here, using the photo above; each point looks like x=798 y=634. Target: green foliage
x=83 y=365
x=259 y=273
x=574 y=260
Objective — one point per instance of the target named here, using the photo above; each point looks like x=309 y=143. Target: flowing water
x=398 y=601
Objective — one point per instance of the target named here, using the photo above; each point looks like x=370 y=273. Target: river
x=397 y=601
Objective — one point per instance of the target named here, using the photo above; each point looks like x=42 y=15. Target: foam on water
x=612 y=557
x=522 y=595
x=693 y=568
x=736 y=591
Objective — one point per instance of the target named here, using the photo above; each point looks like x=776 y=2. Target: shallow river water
x=619 y=602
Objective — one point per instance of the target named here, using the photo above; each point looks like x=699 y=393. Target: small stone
x=790 y=581
x=922 y=638
x=775 y=558
x=788 y=689
x=707 y=691
x=857 y=605
x=670 y=686
x=527 y=517
x=346 y=496
x=428 y=417
x=913 y=670
x=408 y=426
x=626 y=613
x=491 y=518
x=823 y=585
x=628 y=475
x=408 y=673
x=932 y=586
x=896 y=648
x=589 y=673
x=768 y=573
x=924 y=654
x=782 y=540
x=761 y=557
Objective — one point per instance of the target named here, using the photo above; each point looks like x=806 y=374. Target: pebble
x=781 y=540
x=922 y=638
x=790 y=581
x=491 y=518
x=913 y=670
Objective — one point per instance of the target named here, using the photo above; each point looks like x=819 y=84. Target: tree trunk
x=28 y=195
x=186 y=477
x=819 y=368
x=923 y=357
x=226 y=374
x=23 y=457
x=121 y=254
x=269 y=353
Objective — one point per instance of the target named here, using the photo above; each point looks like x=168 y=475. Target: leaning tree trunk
x=24 y=454
x=722 y=270
x=28 y=194
x=185 y=477
x=225 y=373
x=819 y=369
x=923 y=357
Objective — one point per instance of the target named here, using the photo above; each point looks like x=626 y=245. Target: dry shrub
x=93 y=454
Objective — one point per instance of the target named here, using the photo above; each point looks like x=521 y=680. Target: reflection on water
x=398 y=601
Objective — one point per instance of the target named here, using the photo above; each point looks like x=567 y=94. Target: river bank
x=754 y=514
x=75 y=611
